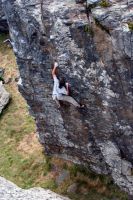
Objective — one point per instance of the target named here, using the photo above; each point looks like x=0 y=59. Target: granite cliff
x=3 y=21
x=93 y=44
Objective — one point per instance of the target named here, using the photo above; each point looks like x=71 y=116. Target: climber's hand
x=55 y=64
x=54 y=69
x=67 y=87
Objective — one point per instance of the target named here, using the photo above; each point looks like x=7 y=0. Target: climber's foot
x=59 y=106
x=82 y=106
x=83 y=109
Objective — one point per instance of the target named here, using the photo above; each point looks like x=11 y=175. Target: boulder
x=10 y=191
x=4 y=97
x=72 y=188
x=64 y=174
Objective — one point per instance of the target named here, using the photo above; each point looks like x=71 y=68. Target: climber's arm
x=54 y=69
x=67 y=88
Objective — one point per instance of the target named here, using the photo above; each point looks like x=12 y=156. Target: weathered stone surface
x=3 y=21
x=4 y=97
x=62 y=176
x=1 y=71
x=72 y=188
x=9 y=191
x=115 y=20
x=97 y=61
x=92 y=2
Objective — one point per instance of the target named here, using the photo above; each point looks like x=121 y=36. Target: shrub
x=104 y=3
x=130 y=26
x=88 y=29
x=48 y=164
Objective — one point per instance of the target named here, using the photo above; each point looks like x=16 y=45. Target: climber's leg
x=57 y=102
x=69 y=99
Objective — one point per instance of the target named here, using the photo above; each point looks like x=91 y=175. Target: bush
x=104 y=3
x=88 y=29
x=74 y=169
x=48 y=165
x=130 y=26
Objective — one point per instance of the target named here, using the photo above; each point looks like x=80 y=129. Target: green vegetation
x=88 y=29
x=91 y=186
x=130 y=26
x=22 y=158
x=104 y=3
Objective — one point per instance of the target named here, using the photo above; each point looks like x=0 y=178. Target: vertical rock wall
x=96 y=58
x=3 y=21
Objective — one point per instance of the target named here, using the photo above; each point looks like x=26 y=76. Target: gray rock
x=126 y=168
x=4 y=97
x=8 y=80
x=1 y=71
x=9 y=191
x=99 y=69
x=80 y=1
x=62 y=177
x=72 y=188
x=3 y=22
x=93 y=2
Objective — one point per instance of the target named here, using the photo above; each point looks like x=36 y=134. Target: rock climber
x=61 y=89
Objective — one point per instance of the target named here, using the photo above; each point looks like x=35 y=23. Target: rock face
x=4 y=97
x=10 y=191
x=3 y=21
x=94 y=49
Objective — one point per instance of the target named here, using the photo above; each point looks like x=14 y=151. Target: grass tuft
x=130 y=26
x=88 y=29
x=104 y=3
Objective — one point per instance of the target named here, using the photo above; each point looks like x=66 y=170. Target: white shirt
x=56 y=90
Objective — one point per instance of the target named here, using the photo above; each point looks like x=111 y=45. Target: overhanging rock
x=97 y=61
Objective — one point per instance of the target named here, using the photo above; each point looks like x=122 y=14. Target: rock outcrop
x=3 y=22
x=93 y=45
x=4 y=97
x=9 y=190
